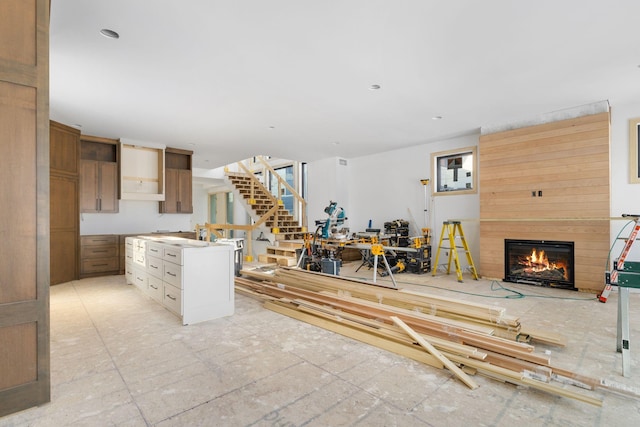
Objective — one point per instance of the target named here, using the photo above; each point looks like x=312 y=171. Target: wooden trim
x=91 y=138
x=435 y=353
x=634 y=143
x=178 y=151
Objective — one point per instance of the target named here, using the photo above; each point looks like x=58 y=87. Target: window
x=221 y=209
x=454 y=171
x=286 y=173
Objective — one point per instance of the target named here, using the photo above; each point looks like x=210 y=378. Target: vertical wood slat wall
x=24 y=204
x=568 y=161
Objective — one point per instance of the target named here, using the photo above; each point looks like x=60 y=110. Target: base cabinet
x=98 y=255
x=191 y=278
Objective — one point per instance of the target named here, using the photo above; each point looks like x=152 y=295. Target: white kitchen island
x=191 y=278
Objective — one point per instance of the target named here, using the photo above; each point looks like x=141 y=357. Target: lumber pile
x=466 y=338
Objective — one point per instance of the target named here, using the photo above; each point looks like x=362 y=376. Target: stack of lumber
x=466 y=338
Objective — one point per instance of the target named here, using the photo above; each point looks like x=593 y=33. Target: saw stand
x=378 y=250
x=625 y=274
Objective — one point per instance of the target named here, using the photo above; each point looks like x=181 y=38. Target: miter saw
x=330 y=225
x=322 y=249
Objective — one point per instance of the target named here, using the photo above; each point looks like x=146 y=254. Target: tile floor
x=118 y=358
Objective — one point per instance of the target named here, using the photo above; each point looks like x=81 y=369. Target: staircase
x=260 y=201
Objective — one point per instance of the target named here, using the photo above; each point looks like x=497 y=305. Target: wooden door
x=108 y=187
x=64 y=229
x=89 y=186
x=185 y=191
x=24 y=205
x=171 y=192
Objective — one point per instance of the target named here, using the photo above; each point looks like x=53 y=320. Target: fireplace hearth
x=539 y=262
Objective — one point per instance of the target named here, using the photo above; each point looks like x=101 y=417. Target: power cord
x=495 y=286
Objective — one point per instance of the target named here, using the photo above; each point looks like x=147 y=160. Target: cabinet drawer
x=172 y=298
x=173 y=255
x=140 y=259
x=99 y=240
x=128 y=273
x=99 y=265
x=99 y=251
x=128 y=257
x=155 y=267
x=154 y=249
x=172 y=274
x=140 y=279
x=155 y=288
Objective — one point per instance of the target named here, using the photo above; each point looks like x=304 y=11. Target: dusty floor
x=119 y=358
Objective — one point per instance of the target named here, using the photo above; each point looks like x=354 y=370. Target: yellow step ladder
x=450 y=231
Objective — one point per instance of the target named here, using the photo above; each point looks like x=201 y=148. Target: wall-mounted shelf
x=141 y=172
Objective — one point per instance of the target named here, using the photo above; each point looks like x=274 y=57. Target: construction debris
x=465 y=337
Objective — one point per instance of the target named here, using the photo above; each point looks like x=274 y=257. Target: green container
x=628 y=280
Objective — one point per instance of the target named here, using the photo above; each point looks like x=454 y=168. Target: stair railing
x=282 y=183
x=256 y=184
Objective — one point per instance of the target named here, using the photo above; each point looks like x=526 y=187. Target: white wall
x=625 y=197
x=134 y=216
x=386 y=186
x=328 y=180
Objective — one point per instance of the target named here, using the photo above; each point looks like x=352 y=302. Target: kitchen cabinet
x=191 y=278
x=99 y=255
x=178 y=182
x=64 y=156
x=98 y=183
x=98 y=175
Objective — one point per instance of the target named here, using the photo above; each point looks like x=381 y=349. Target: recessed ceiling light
x=374 y=87
x=109 y=33
x=436 y=118
x=272 y=127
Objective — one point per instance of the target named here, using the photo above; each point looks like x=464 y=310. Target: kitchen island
x=191 y=278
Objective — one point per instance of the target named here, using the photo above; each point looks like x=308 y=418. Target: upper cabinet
x=141 y=172
x=178 y=182
x=98 y=174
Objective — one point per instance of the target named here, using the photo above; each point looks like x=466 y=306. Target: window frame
x=449 y=154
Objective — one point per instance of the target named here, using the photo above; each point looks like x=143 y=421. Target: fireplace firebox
x=539 y=262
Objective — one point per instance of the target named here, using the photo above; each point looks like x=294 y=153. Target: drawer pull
x=99 y=251
x=153 y=250
x=170 y=254
x=171 y=274
x=170 y=297
x=100 y=265
x=153 y=266
x=154 y=287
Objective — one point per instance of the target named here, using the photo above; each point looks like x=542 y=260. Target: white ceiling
x=231 y=79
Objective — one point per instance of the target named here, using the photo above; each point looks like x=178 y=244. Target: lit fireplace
x=539 y=262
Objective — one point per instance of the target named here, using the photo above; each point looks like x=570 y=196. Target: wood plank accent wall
x=568 y=161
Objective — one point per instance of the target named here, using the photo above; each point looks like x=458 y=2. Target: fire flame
x=538 y=262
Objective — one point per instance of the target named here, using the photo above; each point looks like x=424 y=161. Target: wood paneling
x=19 y=345
x=18 y=40
x=63 y=198
x=568 y=162
x=18 y=201
x=24 y=204
x=64 y=149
